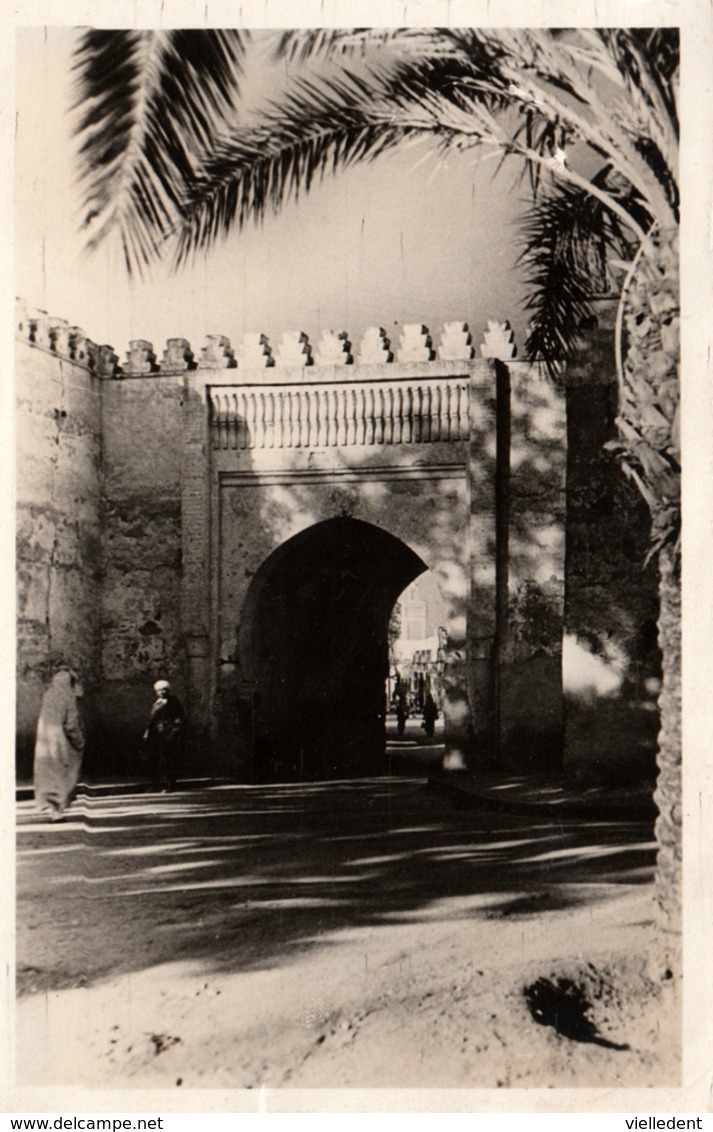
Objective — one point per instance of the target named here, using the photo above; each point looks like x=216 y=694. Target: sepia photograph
x=348 y=460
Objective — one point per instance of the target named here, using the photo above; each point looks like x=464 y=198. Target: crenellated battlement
x=415 y=344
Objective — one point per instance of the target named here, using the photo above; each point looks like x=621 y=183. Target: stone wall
x=99 y=450
x=611 y=662
x=532 y=551
x=58 y=477
x=140 y=527
x=141 y=636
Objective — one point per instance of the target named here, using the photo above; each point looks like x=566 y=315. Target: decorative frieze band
x=340 y=414
x=415 y=345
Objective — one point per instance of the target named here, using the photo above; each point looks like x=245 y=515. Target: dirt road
x=362 y=933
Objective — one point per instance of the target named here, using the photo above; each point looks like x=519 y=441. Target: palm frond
x=150 y=101
x=558 y=70
x=303 y=44
x=318 y=128
x=649 y=58
x=568 y=238
x=641 y=66
x=306 y=44
x=155 y=161
x=320 y=125
x=325 y=123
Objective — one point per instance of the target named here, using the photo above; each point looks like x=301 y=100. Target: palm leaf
x=559 y=69
x=462 y=45
x=302 y=44
x=323 y=124
x=153 y=153
x=317 y=129
x=568 y=238
x=648 y=59
x=150 y=102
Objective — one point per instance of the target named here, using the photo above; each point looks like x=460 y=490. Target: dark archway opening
x=313 y=646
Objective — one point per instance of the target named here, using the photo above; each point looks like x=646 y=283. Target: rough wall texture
x=611 y=659
x=531 y=504
x=58 y=531
x=141 y=555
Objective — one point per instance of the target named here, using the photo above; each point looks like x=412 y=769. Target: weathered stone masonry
x=58 y=491
x=148 y=509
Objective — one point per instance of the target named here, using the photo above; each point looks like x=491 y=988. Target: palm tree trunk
x=648 y=424
x=667 y=795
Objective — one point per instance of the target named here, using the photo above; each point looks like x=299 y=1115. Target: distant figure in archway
x=401 y=716
x=59 y=745
x=430 y=715
x=164 y=736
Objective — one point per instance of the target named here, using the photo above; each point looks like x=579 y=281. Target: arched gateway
x=313 y=645
x=323 y=491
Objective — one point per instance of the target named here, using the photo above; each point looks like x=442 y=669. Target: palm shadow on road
x=244 y=878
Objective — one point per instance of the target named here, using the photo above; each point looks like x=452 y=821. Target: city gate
x=315 y=488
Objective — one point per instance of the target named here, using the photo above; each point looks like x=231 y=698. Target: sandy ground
x=367 y=933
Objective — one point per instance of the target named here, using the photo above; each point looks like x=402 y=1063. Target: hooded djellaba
x=59 y=744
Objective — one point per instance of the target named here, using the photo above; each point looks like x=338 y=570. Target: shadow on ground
x=240 y=878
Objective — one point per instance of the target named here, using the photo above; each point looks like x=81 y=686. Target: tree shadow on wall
x=610 y=600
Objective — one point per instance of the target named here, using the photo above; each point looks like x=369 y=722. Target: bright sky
x=409 y=238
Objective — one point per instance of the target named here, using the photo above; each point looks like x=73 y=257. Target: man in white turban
x=59 y=744
x=165 y=735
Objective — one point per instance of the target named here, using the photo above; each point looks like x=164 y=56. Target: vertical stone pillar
x=531 y=621
x=481 y=539
x=196 y=569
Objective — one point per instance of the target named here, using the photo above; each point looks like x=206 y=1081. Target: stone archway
x=313 y=645
x=460 y=459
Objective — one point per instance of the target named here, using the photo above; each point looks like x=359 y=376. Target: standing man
x=430 y=715
x=401 y=716
x=165 y=736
